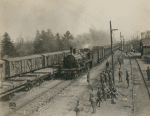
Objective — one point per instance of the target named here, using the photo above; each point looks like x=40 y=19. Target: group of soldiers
x=105 y=90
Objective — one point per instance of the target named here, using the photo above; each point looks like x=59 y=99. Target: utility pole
x=121 y=41
x=111 y=30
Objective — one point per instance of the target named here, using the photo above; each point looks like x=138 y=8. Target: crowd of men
x=106 y=87
x=105 y=90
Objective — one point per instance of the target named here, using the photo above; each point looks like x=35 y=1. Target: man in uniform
x=93 y=100
x=127 y=78
x=113 y=94
x=104 y=74
x=88 y=77
x=110 y=77
x=120 y=75
x=103 y=91
x=99 y=95
x=107 y=64
x=94 y=103
x=101 y=78
x=148 y=73
x=78 y=108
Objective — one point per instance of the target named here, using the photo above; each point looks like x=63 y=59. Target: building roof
x=23 y=58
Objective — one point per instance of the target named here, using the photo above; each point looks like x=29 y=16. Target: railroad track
x=139 y=86
x=32 y=105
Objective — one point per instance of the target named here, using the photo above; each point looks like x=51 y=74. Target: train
x=23 y=72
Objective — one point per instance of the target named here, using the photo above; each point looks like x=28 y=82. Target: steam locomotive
x=84 y=59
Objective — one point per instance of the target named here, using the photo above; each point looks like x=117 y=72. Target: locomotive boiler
x=76 y=62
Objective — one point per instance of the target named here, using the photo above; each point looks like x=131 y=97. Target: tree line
x=44 y=42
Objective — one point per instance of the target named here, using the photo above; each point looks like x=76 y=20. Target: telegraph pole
x=111 y=50
x=121 y=41
x=111 y=30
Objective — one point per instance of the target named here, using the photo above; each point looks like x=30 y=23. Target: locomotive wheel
x=11 y=95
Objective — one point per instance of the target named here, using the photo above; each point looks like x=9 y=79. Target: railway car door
x=44 y=61
x=55 y=59
x=18 y=67
x=28 y=65
x=2 y=71
x=12 y=68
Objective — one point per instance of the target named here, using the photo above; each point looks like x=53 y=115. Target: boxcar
x=94 y=57
x=2 y=70
x=19 y=65
x=54 y=58
x=107 y=50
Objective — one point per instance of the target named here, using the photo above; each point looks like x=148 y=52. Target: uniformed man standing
x=110 y=77
x=94 y=103
x=88 y=77
x=104 y=74
x=127 y=78
x=148 y=73
x=113 y=94
x=120 y=75
x=103 y=91
x=107 y=64
x=93 y=100
x=99 y=96
x=101 y=78
x=78 y=108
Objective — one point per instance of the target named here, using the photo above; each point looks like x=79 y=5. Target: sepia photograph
x=74 y=58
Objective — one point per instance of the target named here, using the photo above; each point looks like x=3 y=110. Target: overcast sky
x=24 y=17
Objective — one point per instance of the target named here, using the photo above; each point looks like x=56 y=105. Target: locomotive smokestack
x=74 y=51
x=71 y=50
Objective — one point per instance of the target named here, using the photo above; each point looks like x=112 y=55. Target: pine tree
x=8 y=46
x=66 y=40
x=59 y=42
x=38 y=43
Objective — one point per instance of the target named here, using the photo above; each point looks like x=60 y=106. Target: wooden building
x=145 y=46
